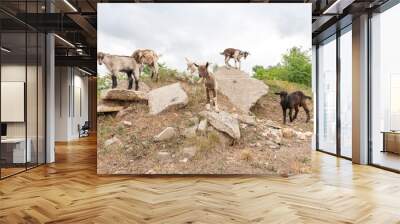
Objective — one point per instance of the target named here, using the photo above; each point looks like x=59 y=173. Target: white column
x=360 y=90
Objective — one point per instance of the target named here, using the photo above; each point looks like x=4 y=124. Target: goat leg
x=114 y=81
x=130 y=80
x=284 y=115
x=291 y=114
x=296 y=111
x=307 y=112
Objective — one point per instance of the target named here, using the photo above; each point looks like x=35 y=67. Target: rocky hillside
x=165 y=128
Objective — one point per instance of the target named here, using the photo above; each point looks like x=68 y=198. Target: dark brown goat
x=210 y=83
x=292 y=101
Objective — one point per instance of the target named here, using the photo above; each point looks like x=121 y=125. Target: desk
x=13 y=150
x=391 y=141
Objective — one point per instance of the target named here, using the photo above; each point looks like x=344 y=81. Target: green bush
x=295 y=66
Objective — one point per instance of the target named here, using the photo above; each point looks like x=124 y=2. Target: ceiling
x=75 y=21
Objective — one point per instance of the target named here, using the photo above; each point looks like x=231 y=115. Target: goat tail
x=308 y=97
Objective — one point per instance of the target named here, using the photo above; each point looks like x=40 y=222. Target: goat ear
x=207 y=64
x=196 y=65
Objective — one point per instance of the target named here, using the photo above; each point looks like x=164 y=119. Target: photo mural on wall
x=204 y=88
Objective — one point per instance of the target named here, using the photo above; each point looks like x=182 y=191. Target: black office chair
x=84 y=130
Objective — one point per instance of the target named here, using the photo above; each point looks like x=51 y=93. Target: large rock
x=246 y=119
x=143 y=87
x=224 y=122
x=166 y=134
x=273 y=134
x=167 y=97
x=125 y=95
x=241 y=90
x=106 y=107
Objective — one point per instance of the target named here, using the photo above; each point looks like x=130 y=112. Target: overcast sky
x=201 y=31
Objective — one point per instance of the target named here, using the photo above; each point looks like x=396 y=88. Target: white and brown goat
x=117 y=63
x=147 y=57
x=209 y=82
x=191 y=68
x=235 y=54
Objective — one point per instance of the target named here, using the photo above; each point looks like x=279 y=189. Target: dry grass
x=137 y=153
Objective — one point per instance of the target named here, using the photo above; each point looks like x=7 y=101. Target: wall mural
x=204 y=88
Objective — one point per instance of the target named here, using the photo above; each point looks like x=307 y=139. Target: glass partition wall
x=334 y=94
x=385 y=89
x=22 y=77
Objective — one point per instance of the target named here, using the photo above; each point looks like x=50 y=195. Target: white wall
x=70 y=83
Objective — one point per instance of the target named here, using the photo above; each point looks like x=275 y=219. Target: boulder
x=111 y=141
x=202 y=126
x=167 y=97
x=166 y=134
x=288 y=133
x=104 y=107
x=189 y=152
x=273 y=134
x=224 y=122
x=125 y=95
x=246 y=119
x=163 y=156
x=241 y=90
x=127 y=123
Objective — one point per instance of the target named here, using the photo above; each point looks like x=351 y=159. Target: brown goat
x=147 y=57
x=210 y=83
x=236 y=54
x=293 y=101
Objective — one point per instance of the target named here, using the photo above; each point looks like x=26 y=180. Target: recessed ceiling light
x=70 y=5
x=5 y=50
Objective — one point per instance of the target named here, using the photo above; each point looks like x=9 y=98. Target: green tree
x=295 y=66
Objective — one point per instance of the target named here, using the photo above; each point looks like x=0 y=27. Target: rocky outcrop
x=246 y=119
x=241 y=90
x=106 y=107
x=224 y=122
x=166 y=134
x=167 y=97
x=125 y=95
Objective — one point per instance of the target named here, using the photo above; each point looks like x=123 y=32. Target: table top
x=391 y=132
x=13 y=140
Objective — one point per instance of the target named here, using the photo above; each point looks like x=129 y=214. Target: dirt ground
x=137 y=153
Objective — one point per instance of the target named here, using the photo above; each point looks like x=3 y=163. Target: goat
x=116 y=63
x=292 y=101
x=210 y=83
x=147 y=57
x=236 y=54
x=190 y=66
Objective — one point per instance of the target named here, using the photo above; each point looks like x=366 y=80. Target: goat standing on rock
x=210 y=83
x=236 y=54
x=147 y=57
x=116 y=63
x=293 y=101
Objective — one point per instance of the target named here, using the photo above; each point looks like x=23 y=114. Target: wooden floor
x=69 y=191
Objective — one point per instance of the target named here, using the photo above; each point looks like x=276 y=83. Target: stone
x=167 y=97
x=241 y=90
x=308 y=134
x=127 y=123
x=166 y=134
x=223 y=121
x=189 y=152
x=184 y=160
x=111 y=141
x=300 y=135
x=190 y=132
x=202 y=126
x=163 y=156
x=246 y=119
x=108 y=108
x=125 y=95
x=273 y=134
x=288 y=133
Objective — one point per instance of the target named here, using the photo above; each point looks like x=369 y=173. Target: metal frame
x=389 y=4
x=44 y=75
x=340 y=30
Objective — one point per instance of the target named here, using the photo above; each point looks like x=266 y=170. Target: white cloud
x=202 y=31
